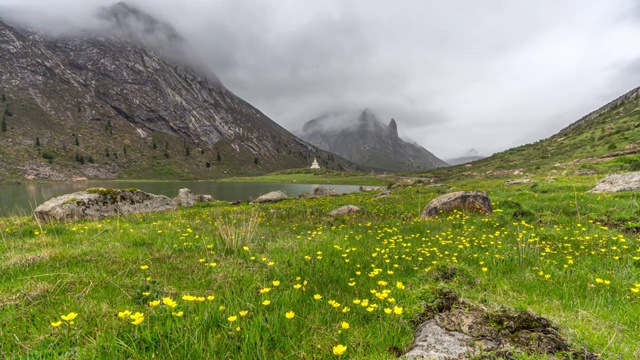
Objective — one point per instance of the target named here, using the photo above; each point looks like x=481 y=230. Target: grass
x=255 y=284
x=308 y=176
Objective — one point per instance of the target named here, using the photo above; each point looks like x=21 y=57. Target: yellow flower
x=154 y=303
x=56 y=324
x=210 y=297
x=484 y=269
x=317 y=297
x=382 y=283
x=599 y=281
x=634 y=289
x=297 y=286
x=352 y=283
x=144 y=267
x=344 y=325
x=222 y=307
x=188 y=298
x=200 y=299
x=356 y=301
x=169 y=302
x=69 y=317
x=266 y=302
x=345 y=309
x=290 y=315
x=243 y=313
x=124 y=314
x=178 y=314
x=276 y=283
x=137 y=318
x=387 y=311
x=146 y=293
x=265 y=290
x=245 y=248
x=400 y=285
x=397 y=310
x=370 y=308
x=238 y=328
x=607 y=282
x=232 y=318
x=339 y=349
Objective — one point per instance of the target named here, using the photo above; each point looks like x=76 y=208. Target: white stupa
x=314 y=164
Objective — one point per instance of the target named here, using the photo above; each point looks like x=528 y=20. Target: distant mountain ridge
x=123 y=104
x=365 y=140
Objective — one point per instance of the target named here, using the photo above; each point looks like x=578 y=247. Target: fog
x=455 y=75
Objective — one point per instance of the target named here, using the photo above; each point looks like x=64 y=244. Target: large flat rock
x=98 y=203
x=618 y=183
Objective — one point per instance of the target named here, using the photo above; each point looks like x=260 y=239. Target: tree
x=154 y=145
x=255 y=161
x=3 y=125
x=218 y=157
x=77 y=141
x=124 y=150
x=187 y=150
x=3 y=98
x=37 y=141
x=106 y=152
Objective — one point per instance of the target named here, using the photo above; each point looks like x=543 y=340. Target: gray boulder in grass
x=185 y=198
x=474 y=201
x=618 y=183
x=273 y=196
x=345 y=210
x=98 y=203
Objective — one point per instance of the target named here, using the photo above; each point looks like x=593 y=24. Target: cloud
x=455 y=75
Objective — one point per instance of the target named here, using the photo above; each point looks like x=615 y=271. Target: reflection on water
x=23 y=198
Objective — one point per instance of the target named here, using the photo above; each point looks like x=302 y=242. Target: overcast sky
x=455 y=75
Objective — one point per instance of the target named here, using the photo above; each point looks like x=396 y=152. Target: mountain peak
x=132 y=23
x=393 y=128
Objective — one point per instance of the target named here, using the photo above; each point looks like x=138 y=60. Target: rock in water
x=475 y=201
x=273 y=196
x=185 y=198
x=617 y=183
x=98 y=203
x=345 y=210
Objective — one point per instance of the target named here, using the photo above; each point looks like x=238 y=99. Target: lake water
x=21 y=199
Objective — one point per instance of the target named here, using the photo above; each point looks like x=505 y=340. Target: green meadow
x=284 y=280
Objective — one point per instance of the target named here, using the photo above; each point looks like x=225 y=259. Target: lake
x=21 y=199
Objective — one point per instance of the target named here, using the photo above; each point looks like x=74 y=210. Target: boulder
x=98 y=203
x=273 y=196
x=517 y=182
x=185 y=198
x=433 y=342
x=617 y=183
x=320 y=191
x=475 y=201
x=383 y=194
x=345 y=210
x=204 y=198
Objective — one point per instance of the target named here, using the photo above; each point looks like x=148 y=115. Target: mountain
x=126 y=101
x=364 y=140
x=605 y=141
x=469 y=156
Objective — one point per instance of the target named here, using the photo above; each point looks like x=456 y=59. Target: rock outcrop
x=517 y=182
x=618 y=183
x=98 y=203
x=185 y=198
x=273 y=196
x=343 y=211
x=475 y=201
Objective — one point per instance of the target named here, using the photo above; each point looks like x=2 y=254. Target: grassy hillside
x=218 y=281
x=605 y=141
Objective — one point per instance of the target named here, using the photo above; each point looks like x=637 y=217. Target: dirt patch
x=474 y=332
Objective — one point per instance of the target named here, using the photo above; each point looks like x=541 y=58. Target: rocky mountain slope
x=126 y=102
x=602 y=142
x=365 y=140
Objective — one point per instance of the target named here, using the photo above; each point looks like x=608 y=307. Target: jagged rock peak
x=393 y=128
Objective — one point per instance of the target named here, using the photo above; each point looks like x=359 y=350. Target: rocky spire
x=393 y=128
